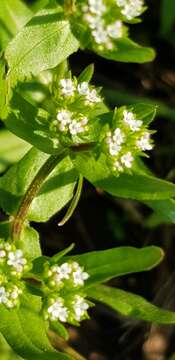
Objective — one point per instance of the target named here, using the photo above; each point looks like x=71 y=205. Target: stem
x=60 y=345
x=73 y=203
x=32 y=191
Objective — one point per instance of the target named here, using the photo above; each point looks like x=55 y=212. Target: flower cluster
x=66 y=300
x=104 y=19
x=131 y=8
x=103 y=31
x=13 y=264
x=128 y=140
x=76 y=100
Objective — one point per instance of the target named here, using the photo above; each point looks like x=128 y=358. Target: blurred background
x=102 y=222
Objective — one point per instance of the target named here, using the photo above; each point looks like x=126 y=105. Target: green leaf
x=11 y=149
x=139 y=187
x=165 y=209
x=14 y=14
x=2 y=86
x=31 y=124
x=25 y=330
x=55 y=193
x=29 y=240
x=129 y=304
x=167 y=16
x=128 y=51
x=42 y=44
x=105 y=265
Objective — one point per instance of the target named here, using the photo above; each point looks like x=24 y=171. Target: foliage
x=68 y=135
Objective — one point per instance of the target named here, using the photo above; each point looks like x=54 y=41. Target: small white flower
x=93 y=21
x=115 y=30
x=77 y=127
x=2 y=254
x=83 y=88
x=118 y=166
x=118 y=136
x=97 y=7
x=80 y=307
x=64 y=116
x=114 y=148
x=3 y=295
x=121 y=2
x=144 y=142
x=100 y=35
x=136 y=125
x=132 y=9
x=57 y=311
x=67 y=87
x=16 y=260
x=129 y=119
x=92 y=97
x=79 y=276
x=127 y=159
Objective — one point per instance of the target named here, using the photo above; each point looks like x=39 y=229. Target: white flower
x=16 y=260
x=64 y=116
x=100 y=35
x=97 y=7
x=118 y=166
x=2 y=254
x=79 y=276
x=57 y=311
x=67 y=87
x=144 y=142
x=93 y=97
x=118 y=136
x=77 y=127
x=115 y=30
x=9 y=297
x=3 y=295
x=129 y=118
x=83 y=88
x=127 y=159
x=114 y=148
x=132 y=9
x=60 y=272
x=80 y=307
x=93 y=21
x=121 y=2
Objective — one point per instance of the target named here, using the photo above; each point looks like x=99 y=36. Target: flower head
x=127 y=141
x=74 y=111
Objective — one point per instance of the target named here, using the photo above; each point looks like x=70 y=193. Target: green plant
x=74 y=135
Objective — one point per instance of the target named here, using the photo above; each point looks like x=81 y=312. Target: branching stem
x=32 y=191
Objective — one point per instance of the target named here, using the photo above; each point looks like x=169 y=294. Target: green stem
x=32 y=191
x=59 y=344
x=73 y=203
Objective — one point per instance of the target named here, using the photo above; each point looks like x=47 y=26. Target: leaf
x=2 y=86
x=127 y=50
x=29 y=240
x=25 y=330
x=55 y=193
x=31 y=124
x=14 y=14
x=139 y=187
x=11 y=149
x=42 y=44
x=105 y=265
x=167 y=16
x=165 y=208
x=129 y=304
